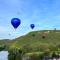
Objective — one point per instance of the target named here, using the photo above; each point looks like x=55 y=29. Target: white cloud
x=3 y=29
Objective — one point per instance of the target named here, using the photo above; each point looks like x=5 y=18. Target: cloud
x=2 y=29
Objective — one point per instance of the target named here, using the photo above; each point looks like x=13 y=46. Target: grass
x=33 y=41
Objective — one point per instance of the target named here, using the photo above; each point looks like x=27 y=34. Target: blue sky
x=45 y=14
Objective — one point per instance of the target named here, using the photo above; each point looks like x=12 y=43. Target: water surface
x=3 y=55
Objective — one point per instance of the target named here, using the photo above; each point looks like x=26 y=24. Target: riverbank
x=46 y=41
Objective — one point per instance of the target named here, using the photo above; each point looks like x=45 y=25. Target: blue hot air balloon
x=32 y=26
x=15 y=22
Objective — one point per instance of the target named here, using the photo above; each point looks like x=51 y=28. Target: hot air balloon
x=32 y=26
x=15 y=22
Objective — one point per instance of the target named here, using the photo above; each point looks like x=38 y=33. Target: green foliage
x=15 y=54
x=33 y=42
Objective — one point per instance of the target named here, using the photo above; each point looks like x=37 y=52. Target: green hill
x=44 y=40
x=35 y=44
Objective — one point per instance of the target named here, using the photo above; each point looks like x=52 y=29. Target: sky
x=45 y=14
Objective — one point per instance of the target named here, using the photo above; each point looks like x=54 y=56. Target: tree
x=53 y=55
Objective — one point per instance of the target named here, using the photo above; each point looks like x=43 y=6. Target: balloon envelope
x=15 y=22
x=32 y=26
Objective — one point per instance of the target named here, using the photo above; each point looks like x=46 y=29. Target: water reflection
x=4 y=55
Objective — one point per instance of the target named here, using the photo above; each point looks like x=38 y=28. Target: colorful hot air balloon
x=32 y=26
x=15 y=22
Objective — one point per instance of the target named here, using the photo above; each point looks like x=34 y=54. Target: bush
x=15 y=54
x=43 y=37
x=33 y=35
x=53 y=55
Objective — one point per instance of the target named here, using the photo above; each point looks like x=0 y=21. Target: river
x=3 y=55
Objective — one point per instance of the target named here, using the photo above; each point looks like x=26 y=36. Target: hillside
x=35 y=45
x=46 y=40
